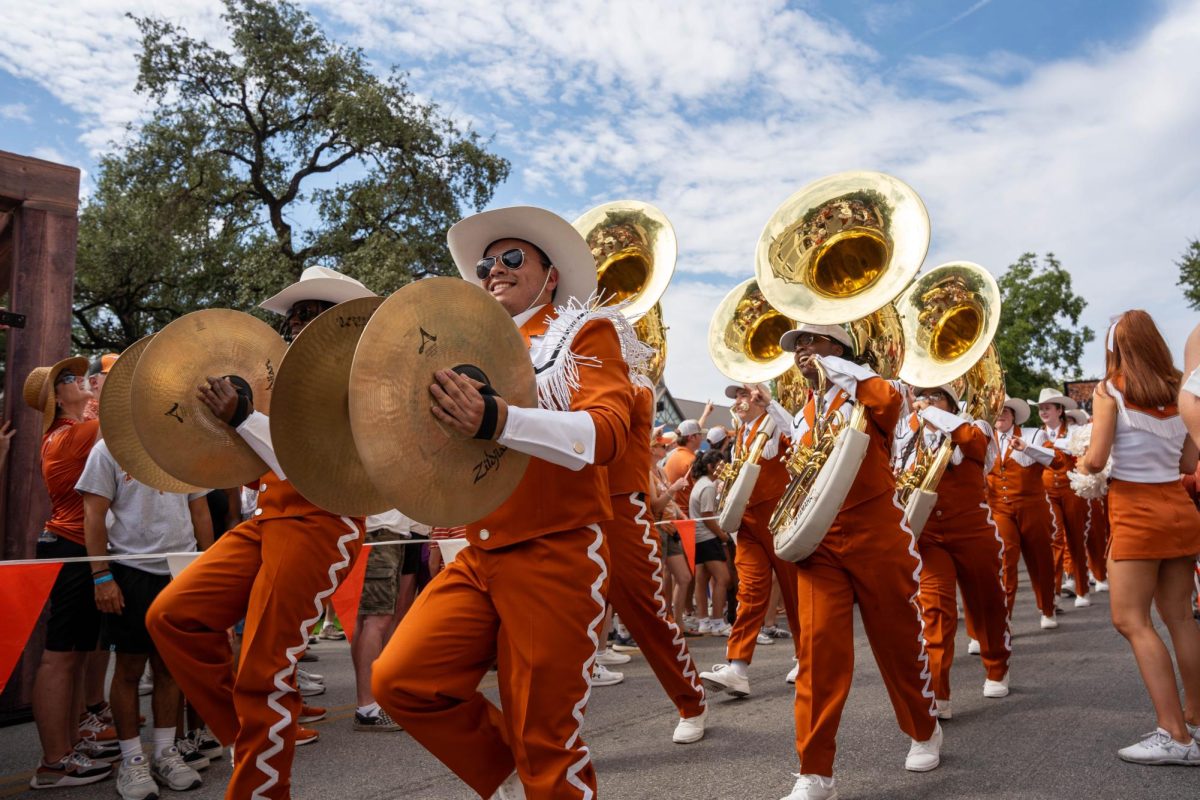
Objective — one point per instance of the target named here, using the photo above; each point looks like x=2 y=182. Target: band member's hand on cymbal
x=461 y=407
x=222 y=399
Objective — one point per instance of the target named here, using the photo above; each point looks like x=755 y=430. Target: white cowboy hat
x=1051 y=396
x=1078 y=416
x=317 y=283
x=1019 y=408
x=835 y=332
x=568 y=251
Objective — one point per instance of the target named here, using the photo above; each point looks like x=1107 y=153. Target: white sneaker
x=705 y=626
x=307 y=687
x=722 y=678
x=511 y=789
x=924 y=756
x=603 y=676
x=1101 y=586
x=776 y=632
x=134 y=781
x=813 y=787
x=943 y=709
x=169 y=770
x=1194 y=730
x=996 y=688
x=1160 y=748
x=973 y=647
x=763 y=638
x=310 y=676
x=1082 y=601
x=610 y=658
x=793 y=672
x=1068 y=585
x=690 y=729
x=722 y=629
x=1048 y=623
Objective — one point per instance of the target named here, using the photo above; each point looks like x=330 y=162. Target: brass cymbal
x=116 y=425
x=310 y=413
x=424 y=471
x=175 y=427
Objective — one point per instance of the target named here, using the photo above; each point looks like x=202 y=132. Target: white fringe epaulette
x=1171 y=429
x=558 y=380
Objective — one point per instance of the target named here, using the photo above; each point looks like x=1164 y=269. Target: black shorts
x=74 y=621
x=412 y=555
x=126 y=632
x=710 y=550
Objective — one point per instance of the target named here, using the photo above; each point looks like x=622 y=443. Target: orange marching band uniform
x=1021 y=511
x=1069 y=511
x=868 y=557
x=635 y=587
x=961 y=547
x=528 y=594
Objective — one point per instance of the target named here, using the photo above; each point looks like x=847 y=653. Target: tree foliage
x=1189 y=274
x=1040 y=341
x=283 y=151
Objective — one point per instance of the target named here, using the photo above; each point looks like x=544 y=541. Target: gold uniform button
x=578 y=448
x=484 y=535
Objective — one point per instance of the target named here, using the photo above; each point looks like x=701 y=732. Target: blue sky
x=1066 y=126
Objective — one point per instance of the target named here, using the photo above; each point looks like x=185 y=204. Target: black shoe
x=308 y=657
x=376 y=722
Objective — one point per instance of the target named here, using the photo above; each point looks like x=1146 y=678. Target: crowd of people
x=610 y=516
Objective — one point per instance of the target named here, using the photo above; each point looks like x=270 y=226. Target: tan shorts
x=382 y=578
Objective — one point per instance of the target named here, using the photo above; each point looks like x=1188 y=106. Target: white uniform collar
x=525 y=316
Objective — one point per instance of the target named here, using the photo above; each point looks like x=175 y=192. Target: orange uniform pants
x=1070 y=513
x=635 y=590
x=1097 y=538
x=965 y=551
x=755 y=560
x=1025 y=528
x=868 y=558
x=276 y=573
x=534 y=609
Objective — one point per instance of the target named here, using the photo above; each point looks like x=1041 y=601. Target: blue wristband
x=102 y=579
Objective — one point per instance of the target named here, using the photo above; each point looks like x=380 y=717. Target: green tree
x=1189 y=274
x=1040 y=341
x=283 y=151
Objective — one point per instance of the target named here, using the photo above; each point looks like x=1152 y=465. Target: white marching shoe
x=1082 y=601
x=611 y=658
x=1159 y=748
x=1048 y=623
x=996 y=688
x=943 y=709
x=926 y=755
x=813 y=787
x=793 y=672
x=973 y=647
x=511 y=789
x=1101 y=586
x=690 y=729
x=723 y=678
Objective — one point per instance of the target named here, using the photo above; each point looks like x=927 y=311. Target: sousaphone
x=173 y=424
x=634 y=246
x=426 y=472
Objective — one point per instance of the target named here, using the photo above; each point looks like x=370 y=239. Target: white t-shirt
x=702 y=502
x=141 y=520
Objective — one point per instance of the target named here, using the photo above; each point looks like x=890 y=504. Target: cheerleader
x=1154 y=528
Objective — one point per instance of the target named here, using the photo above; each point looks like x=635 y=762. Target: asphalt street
x=1076 y=698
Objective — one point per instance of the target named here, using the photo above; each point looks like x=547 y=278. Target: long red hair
x=1140 y=363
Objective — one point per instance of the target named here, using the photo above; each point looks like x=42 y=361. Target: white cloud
x=15 y=111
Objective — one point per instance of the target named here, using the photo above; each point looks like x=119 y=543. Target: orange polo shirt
x=551 y=498
x=631 y=472
x=65 y=449
x=679 y=465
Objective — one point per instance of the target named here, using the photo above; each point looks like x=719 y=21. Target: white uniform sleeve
x=256 y=430
x=1037 y=449
x=783 y=420
x=771 y=448
x=564 y=438
x=944 y=421
x=845 y=374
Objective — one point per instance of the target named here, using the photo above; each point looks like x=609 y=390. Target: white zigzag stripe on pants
x=577 y=712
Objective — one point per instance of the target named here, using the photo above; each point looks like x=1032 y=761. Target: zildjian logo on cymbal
x=173 y=411
x=490 y=462
x=427 y=340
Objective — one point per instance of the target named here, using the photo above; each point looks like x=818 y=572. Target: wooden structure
x=39 y=202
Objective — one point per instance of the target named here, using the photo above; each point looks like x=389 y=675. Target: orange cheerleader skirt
x=1151 y=521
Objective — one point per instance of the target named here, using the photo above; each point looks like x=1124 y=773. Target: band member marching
x=257 y=572
x=960 y=545
x=867 y=557
x=1019 y=507
x=1069 y=510
x=528 y=594
x=1097 y=525
x=755 y=558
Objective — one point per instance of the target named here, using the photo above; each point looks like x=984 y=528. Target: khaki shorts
x=382 y=578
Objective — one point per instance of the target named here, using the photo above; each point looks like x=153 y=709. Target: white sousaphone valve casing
x=798 y=539
x=919 y=507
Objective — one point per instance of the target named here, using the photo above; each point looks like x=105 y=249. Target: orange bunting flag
x=687 y=535
x=349 y=593
x=23 y=592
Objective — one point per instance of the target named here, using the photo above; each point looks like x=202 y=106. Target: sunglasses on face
x=68 y=377
x=933 y=397
x=511 y=259
x=807 y=339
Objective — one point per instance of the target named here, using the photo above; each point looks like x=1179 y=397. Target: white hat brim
x=568 y=251
x=329 y=290
x=1050 y=396
x=1019 y=408
x=836 y=332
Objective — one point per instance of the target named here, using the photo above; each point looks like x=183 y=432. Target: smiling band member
x=868 y=557
x=528 y=594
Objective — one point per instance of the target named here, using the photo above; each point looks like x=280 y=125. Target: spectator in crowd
x=712 y=569
x=144 y=521
x=679 y=460
x=61 y=395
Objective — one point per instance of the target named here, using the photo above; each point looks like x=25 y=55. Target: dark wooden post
x=37 y=257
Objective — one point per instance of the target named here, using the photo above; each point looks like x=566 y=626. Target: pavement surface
x=1076 y=698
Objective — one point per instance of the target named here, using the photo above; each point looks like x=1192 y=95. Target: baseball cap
x=716 y=435
x=689 y=427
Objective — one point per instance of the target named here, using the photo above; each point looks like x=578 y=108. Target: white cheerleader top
x=1147 y=446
